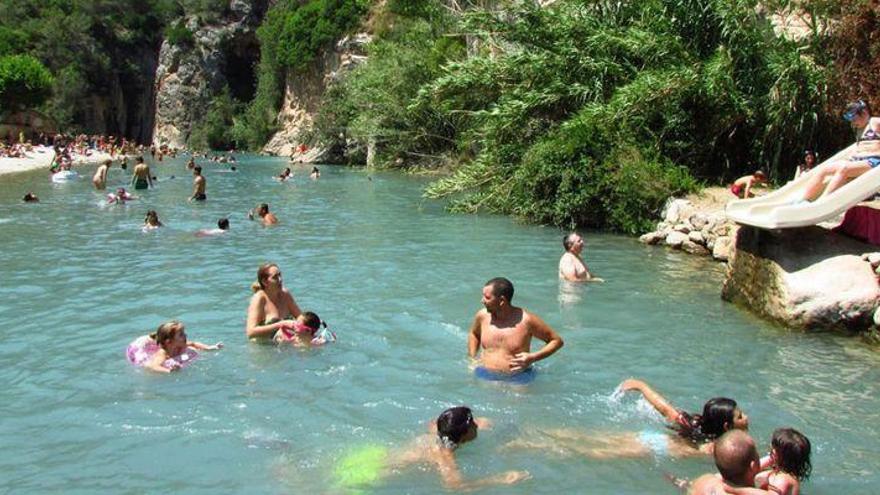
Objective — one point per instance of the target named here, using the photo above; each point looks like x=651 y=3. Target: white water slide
x=777 y=210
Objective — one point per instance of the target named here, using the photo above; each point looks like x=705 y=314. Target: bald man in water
x=736 y=458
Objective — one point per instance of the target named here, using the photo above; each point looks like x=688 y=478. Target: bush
x=179 y=34
x=215 y=130
x=24 y=82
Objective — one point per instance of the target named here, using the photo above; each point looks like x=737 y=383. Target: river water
x=399 y=281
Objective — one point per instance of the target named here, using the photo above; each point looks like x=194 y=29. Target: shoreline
x=41 y=158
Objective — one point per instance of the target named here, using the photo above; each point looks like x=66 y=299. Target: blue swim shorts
x=873 y=160
x=521 y=378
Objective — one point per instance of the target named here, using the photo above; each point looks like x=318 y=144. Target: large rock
x=675 y=239
x=694 y=248
x=806 y=278
x=721 y=247
x=677 y=211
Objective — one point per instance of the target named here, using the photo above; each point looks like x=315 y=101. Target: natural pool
x=399 y=279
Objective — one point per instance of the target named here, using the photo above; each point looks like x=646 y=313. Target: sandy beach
x=41 y=157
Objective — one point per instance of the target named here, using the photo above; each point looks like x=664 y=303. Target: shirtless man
x=100 y=178
x=142 y=177
x=737 y=461
x=504 y=332
x=571 y=265
x=198 y=185
x=266 y=218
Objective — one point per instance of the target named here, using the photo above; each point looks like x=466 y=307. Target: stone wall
x=696 y=231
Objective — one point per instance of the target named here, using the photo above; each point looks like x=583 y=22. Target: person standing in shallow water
x=199 y=185
x=502 y=335
x=272 y=306
x=100 y=178
x=571 y=265
x=141 y=177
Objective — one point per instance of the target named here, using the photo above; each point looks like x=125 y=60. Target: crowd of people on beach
x=499 y=343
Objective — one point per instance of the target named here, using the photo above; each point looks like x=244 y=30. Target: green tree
x=24 y=82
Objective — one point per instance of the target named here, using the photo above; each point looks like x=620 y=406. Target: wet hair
x=151 y=214
x=568 y=241
x=501 y=287
x=716 y=419
x=454 y=423
x=197 y=169
x=792 y=452
x=166 y=332
x=264 y=207
x=312 y=321
x=30 y=198
x=262 y=273
x=139 y=159
x=223 y=223
x=107 y=162
x=735 y=454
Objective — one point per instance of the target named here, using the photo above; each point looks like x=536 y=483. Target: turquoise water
x=399 y=280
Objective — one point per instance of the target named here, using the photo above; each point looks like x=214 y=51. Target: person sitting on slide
x=865 y=158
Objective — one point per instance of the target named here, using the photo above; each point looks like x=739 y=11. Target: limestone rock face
x=302 y=97
x=806 y=278
x=189 y=76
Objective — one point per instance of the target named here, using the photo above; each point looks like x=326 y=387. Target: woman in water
x=167 y=349
x=272 y=307
x=151 y=221
x=693 y=434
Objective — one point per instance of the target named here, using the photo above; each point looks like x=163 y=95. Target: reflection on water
x=400 y=281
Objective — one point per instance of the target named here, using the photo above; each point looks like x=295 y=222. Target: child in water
x=151 y=221
x=167 y=349
x=120 y=197
x=301 y=332
x=787 y=465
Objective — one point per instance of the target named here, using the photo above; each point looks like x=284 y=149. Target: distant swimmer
x=222 y=228
x=571 y=265
x=502 y=335
x=315 y=173
x=30 y=198
x=120 y=197
x=167 y=349
x=199 y=185
x=456 y=426
x=272 y=306
x=191 y=163
x=141 y=178
x=736 y=458
x=284 y=175
x=262 y=211
x=100 y=178
x=151 y=221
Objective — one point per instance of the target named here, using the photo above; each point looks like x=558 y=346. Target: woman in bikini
x=865 y=158
x=272 y=307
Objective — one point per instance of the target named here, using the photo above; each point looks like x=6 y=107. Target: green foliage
x=12 y=41
x=215 y=130
x=179 y=34
x=24 y=82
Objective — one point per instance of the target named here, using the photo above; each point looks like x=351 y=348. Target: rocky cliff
x=189 y=75
x=302 y=97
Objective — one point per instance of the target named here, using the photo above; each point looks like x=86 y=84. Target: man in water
x=100 y=178
x=142 y=177
x=571 y=265
x=737 y=461
x=198 y=185
x=504 y=333
x=262 y=211
x=222 y=228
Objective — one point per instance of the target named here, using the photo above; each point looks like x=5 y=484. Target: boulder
x=682 y=227
x=699 y=220
x=808 y=278
x=675 y=239
x=721 y=248
x=677 y=210
x=697 y=237
x=652 y=237
x=694 y=248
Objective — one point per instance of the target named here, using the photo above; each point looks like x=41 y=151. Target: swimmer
x=737 y=461
x=100 y=178
x=263 y=212
x=222 y=228
x=30 y=198
x=151 y=221
x=167 y=349
x=315 y=173
x=301 y=332
x=454 y=427
x=123 y=164
x=502 y=333
x=199 y=184
x=120 y=197
x=270 y=305
x=284 y=175
x=141 y=178
x=571 y=265
x=787 y=465
x=191 y=164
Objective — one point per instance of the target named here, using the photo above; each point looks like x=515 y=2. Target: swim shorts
x=873 y=160
x=141 y=184
x=201 y=197
x=521 y=378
